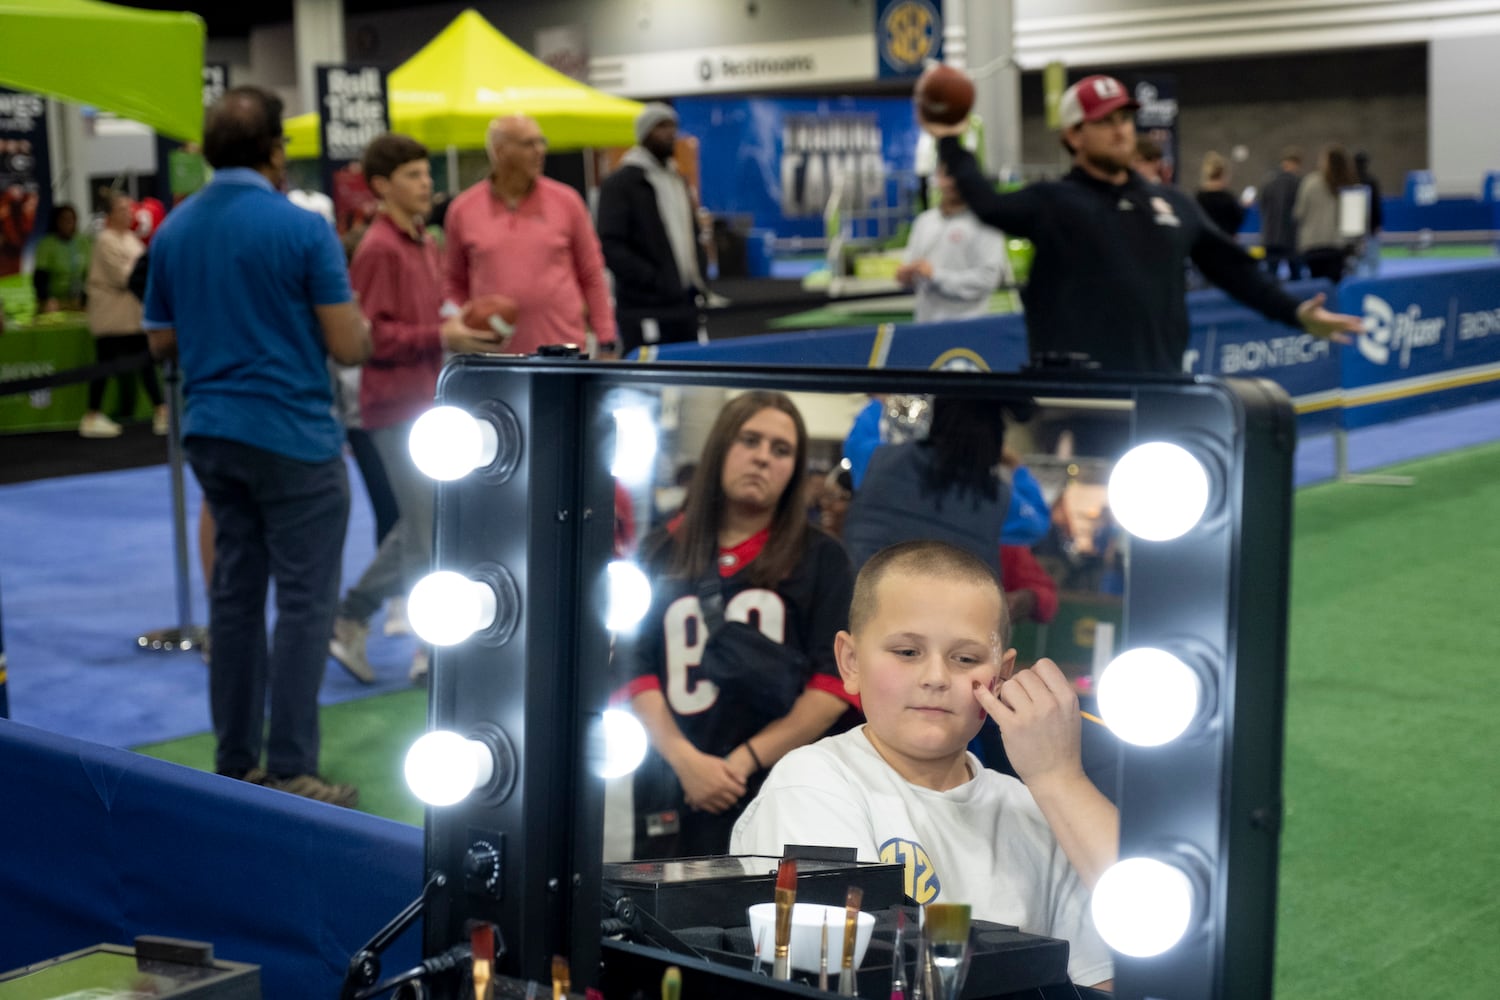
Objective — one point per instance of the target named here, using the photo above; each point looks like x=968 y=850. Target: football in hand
x=944 y=95
x=494 y=313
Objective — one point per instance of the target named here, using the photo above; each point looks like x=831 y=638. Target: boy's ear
x=379 y=186
x=843 y=652
x=1007 y=664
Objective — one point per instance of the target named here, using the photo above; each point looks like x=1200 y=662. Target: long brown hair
x=698 y=536
x=1337 y=169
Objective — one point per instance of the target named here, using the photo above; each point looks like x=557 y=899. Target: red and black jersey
x=804 y=611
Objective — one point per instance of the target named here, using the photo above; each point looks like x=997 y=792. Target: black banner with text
x=352 y=110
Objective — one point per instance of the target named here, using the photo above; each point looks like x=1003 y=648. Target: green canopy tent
x=143 y=65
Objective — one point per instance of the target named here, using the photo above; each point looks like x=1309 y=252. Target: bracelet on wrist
x=753 y=755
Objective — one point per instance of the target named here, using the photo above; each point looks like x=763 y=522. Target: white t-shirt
x=968 y=260
x=984 y=843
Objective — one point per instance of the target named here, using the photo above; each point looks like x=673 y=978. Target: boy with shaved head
x=927 y=654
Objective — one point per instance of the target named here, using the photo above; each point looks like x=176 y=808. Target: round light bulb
x=1142 y=906
x=1158 y=491
x=446 y=607
x=449 y=443
x=442 y=767
x=1148 y=696
x=624 y=743
x=635 y=446
x=629 y=596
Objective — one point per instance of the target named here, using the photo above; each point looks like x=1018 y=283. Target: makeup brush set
x=801 y=926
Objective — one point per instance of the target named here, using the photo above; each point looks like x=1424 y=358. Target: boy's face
x=409 y=187
x=914 y=664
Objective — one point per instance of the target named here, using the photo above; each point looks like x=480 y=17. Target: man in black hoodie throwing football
x=1108 y=278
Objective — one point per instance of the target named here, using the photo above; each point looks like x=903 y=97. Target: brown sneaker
x=348 y=647
x=312 y=786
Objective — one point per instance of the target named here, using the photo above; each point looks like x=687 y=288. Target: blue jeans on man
x=276 y=518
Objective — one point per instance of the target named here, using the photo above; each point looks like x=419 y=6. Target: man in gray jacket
x=1278 y=229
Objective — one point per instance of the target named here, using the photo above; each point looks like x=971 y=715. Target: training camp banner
x=776 y=159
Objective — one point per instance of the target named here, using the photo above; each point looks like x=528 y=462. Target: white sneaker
x=421 y=665
x=395 y=617
x=160 y=422
x=97 y=425
x=348 y=647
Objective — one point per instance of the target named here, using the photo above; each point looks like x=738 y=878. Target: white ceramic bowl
x=807 y=935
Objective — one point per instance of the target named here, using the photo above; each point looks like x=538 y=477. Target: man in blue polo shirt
x=250 y=294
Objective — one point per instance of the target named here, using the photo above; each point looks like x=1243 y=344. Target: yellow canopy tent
x=144 y=65
x=446 y=94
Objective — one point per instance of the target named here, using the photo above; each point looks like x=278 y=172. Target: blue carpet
x=1399 y=441
x=86 y=565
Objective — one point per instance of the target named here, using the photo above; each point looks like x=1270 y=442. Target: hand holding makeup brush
x=1037 y=711
x=1038 y=715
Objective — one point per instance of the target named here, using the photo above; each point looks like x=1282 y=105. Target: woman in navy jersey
x=742 y=545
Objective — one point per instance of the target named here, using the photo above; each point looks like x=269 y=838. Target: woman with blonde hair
x=1214 y=196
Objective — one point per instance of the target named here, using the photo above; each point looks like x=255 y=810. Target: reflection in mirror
x=710 y=479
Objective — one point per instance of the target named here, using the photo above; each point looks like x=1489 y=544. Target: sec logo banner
x=911 y=32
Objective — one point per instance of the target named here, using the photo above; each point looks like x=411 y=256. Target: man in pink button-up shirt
x=520 y=234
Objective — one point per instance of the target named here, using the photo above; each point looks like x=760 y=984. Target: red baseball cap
x=1093 y=98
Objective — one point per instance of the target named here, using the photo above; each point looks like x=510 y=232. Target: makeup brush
x=671 y=983
x=482 y=946
x=948 y=943
x=760 y=939
x=786 y=898
x=852 y=900
x=562 y=978
x=823 y=957
x=898 y=967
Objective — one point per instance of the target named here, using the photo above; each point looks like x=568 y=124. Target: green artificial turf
x=364 y=743
x=1391 y=841
x=1392 y=834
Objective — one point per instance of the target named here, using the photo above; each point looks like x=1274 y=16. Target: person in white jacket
x=114 y=316
x=953 y=260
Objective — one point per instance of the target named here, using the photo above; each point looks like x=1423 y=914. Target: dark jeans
x=1275 y=256
x=676 y=324
x=1325 y=262
x=118 y=346
x=377 y=484
x=275 y=518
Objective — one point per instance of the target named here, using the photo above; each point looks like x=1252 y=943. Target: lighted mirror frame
x=1209 y=801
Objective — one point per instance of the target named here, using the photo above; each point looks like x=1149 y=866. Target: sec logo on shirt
x=922 y=882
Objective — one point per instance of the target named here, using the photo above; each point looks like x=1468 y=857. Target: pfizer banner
x=1234 y=341
x=1430 y=342
x=779 y=160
